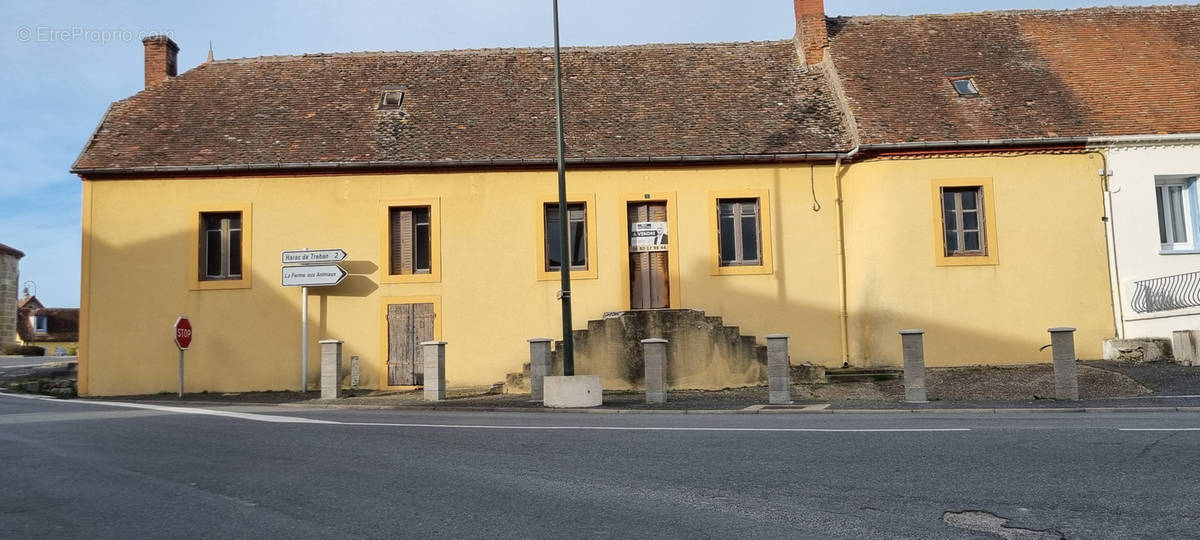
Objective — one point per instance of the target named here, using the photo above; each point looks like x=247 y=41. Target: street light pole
x=564 y=261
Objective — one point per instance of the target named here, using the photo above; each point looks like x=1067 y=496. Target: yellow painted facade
x=1046 y=267
x=491 y=292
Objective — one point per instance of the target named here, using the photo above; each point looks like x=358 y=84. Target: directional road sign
x=313 y=256
x=317 y=275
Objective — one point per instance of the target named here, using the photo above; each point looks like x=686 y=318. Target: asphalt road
x=74 y=469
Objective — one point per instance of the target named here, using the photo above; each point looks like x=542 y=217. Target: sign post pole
x=306 y=268
x=180 y=372
x=303 y=339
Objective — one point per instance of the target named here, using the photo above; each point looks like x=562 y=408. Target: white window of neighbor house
x=739 y=229
x=220 y=245
x=1175 y=199
x=41 y=324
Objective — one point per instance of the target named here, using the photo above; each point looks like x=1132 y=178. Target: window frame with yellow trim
x=982 y=209
x=740 y=265
x=543 y=269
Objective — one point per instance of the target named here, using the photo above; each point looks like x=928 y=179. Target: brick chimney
x=812 y=38
x=161 y=55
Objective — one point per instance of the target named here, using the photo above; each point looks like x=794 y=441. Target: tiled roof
x=622 y=102
x=1076 y=73
x=11 y=251
x=62 y=324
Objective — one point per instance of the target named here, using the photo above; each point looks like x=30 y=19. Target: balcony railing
x=1166 y=293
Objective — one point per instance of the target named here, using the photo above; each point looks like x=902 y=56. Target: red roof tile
x=62 y=324
x=1076 y=73
x=636 y=101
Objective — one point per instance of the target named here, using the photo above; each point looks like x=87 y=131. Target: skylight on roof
x=391 y=99
x=965 y=86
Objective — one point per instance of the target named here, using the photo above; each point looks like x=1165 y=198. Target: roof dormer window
x=392 y=98
x=964 y=85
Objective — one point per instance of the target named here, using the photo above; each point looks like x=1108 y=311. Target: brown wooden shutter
x=401 y=231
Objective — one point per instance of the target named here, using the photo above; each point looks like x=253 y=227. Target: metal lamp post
x=564 y=251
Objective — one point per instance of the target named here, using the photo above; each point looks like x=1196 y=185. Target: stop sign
x=183 y=333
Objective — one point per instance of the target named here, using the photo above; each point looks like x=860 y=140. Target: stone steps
x=702 y=352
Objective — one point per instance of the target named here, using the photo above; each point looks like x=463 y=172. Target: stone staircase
x=702 y=352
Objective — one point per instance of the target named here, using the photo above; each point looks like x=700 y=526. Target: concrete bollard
x=434 y=355
x=354 y=373
x=1066 y=377
x=912 y=342
x=539 y=367
x=655 y=352
x=779 y=370
x=331 y=369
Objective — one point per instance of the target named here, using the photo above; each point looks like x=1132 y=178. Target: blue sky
x=62 y=63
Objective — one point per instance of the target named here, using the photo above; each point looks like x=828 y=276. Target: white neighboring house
x=1155 y=233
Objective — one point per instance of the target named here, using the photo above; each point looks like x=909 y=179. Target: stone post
x=912 y=343
x=779 y=370
x=539 y=367
x=434 y=354
x=655 y=352
x=1066 y=378
x=354 y=373
x=331 y=369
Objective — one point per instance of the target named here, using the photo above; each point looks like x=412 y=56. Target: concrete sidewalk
x=1147 y=387
x=732 y=401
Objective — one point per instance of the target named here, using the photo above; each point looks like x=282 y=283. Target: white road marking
x=186 y=410
x=210 y=412
x=624 y=428
x=300 y=420
x=1162 y=429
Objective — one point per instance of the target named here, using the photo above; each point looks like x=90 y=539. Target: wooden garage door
x=408 y=326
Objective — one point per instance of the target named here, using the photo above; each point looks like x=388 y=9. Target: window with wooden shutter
x=409 y=240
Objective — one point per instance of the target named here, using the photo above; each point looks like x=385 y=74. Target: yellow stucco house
x=770 y=184
x=54 y=329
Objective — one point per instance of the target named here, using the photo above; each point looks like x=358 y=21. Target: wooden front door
x=408 y=326
x=649 y=286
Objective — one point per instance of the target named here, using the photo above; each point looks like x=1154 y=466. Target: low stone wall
x=1138 y=350
x=52 y=379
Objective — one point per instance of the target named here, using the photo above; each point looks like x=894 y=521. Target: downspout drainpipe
x=1110 y=232
x=844 y=311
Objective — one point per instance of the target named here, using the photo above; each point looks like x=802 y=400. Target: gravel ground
x=1163 y=378
x=1100 y=383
